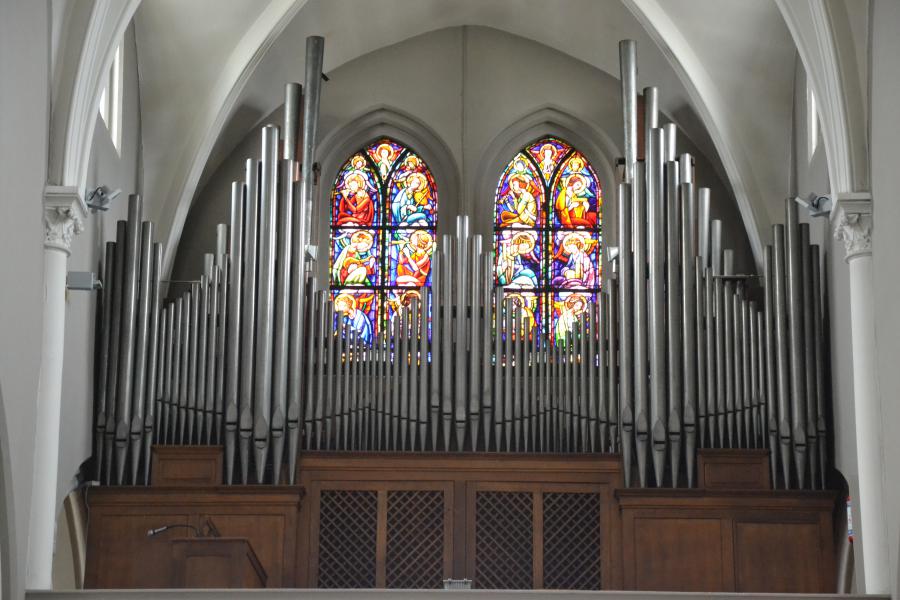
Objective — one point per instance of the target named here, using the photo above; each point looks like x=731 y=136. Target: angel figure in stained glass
x=512 y=253
x=414 y=258
x=573 y=266
x=384 y=158
x=351 y=306
x=567 y=309
x=355 y=206
x=548 y=153
x=413 y=203
x=518 y=208
x=527 y=304
x=355 y=264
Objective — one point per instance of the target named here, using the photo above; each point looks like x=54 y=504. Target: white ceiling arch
x=831 y=56
x=745 y=126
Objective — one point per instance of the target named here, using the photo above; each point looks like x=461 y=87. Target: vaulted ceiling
x=210 y=69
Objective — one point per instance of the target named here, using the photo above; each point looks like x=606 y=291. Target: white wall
x=24 y=118
x=468 y=86
x=117 y=169
x=885 y=133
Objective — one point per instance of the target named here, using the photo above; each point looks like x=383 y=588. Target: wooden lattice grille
x=415 y=540
x=504 y=540
x=572 y=544
x=348 y=522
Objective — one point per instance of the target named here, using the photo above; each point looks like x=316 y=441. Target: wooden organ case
x=673 y=436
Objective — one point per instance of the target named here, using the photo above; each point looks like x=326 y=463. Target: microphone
x=158 y=530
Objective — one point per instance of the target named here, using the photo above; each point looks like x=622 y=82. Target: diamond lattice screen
x=504 y=540
x=572 y=541
x=348 y=520
x=415 y=540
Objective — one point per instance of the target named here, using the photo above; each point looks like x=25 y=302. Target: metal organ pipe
x=628 y=77
x=794 y=306
x=656 y=302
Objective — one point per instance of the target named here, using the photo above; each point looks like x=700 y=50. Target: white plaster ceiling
x=210 y=69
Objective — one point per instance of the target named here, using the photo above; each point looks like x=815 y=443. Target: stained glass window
x=383 y=218
x=547 y=233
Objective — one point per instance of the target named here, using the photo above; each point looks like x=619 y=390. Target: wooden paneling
x=776 y=557
x=120 y=555
x=737 y=541
x=190 y=466
x=687 y=555
x=571 y=526
x=215 y=563
x=727 y=469
x=459 y=478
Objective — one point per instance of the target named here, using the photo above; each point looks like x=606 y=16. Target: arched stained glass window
x=383 y=218
x=547 y=233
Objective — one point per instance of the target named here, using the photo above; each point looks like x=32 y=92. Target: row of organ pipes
x=679 y=353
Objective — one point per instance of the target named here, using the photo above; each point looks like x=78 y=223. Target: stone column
x=64 y=214
x=852 y=218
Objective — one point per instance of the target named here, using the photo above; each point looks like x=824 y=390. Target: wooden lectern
x=215 y=563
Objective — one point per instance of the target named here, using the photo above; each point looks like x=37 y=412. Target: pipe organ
x=679 y=353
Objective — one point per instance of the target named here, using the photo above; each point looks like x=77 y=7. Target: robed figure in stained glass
x=518 y=205
x=412 y=256
x=573 y=205
x=517 y=259
x=355 y=206
x=573 y=261
x=354 y=262
x=412 y=203
x=358 y=310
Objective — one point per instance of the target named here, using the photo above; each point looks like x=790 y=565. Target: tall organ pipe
x=285 y=421
x=628 y=77
x=674 y=315
x=625 y=299
x=818 y=348
x=639 y=298
x=212 y=301
x=794 y=304
x=810 y=356
x=233 y=325
x=127 y=333
x=202 y=344
x=248 y=318
x=143 y=351
x=107 y=358
x=656 y=308
x=690 y=354
x=782 y=349
x=193 y=353
x=184 y=367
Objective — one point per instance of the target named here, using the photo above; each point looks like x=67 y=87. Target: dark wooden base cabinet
x=502 y=521
x=121 y=555
x=382 y=520
x=721 y=541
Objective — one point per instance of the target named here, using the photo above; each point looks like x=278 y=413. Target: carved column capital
x=852 y=222
x=64 y=215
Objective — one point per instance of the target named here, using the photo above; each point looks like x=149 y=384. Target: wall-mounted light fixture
x=100 y=198
x=818 y=205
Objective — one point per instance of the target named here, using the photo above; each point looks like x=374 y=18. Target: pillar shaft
x=63 y=219
x=853 y=226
